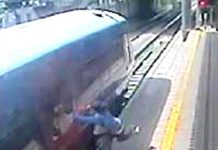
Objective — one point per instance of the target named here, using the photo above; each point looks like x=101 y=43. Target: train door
x=127 y=47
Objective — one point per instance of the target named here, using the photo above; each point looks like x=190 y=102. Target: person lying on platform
x=106 y=126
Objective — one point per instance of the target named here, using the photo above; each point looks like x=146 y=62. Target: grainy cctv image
x=108 y=75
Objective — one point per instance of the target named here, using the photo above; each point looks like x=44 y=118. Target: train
x=64 y=61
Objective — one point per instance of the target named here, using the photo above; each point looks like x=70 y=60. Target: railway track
x=149 y=53
x=145 y=60
x=154 y=23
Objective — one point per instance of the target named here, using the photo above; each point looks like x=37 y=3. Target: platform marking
x=168 y=139
x=165 y=132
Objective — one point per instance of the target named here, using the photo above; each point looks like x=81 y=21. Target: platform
x=201 y=104
x=158 y=103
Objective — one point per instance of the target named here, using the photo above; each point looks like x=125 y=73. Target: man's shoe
x=136 y=129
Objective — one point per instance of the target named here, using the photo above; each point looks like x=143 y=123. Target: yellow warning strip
x=190 y=46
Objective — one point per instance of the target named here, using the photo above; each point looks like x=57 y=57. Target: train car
x=65 y=61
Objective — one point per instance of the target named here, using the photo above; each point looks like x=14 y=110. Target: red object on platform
x=203 y=3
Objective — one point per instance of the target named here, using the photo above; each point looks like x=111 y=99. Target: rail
x=144 y=56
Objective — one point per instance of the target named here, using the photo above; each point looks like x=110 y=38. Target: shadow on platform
x=144 y=109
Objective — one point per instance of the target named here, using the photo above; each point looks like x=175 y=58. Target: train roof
x=24 y=43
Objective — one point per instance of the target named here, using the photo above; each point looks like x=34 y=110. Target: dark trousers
x=204 y=21
x=125 y=135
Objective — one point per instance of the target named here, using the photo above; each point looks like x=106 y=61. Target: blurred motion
x=47 y=79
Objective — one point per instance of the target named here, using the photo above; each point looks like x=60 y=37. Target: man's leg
x=208 y=16
x=202 y=17
x=127 y=133
x=104 y=142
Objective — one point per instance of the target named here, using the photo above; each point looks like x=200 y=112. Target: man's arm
x=95 y=119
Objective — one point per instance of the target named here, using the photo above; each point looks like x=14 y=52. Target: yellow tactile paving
x=190 y=46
